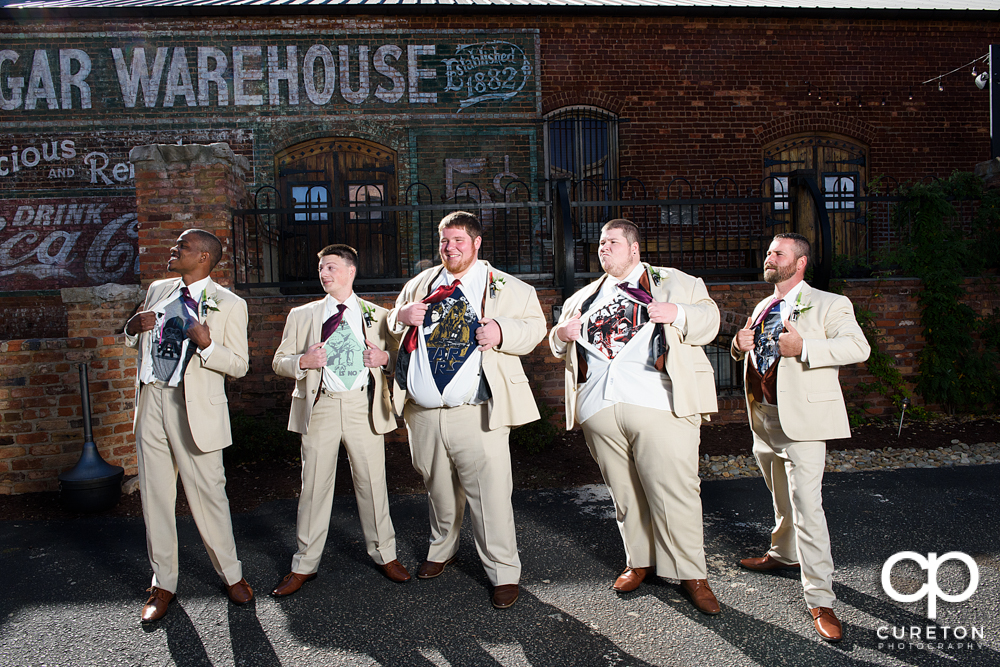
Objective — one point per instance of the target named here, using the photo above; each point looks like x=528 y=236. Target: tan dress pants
x=165 y=448
x=461 y=459
x=649 y=460
x=793 y=472
x=342 y=417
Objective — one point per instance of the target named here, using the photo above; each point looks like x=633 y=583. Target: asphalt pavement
x=71 y=591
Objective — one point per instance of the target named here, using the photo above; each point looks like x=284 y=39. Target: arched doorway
x=330 y=173
x=839 y=166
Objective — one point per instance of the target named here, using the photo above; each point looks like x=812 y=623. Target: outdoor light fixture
x=982 y=80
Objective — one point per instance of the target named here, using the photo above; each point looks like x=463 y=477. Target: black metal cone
x=93 y=485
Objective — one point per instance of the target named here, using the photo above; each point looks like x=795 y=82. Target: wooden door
x=839 y=167
x=325 y=174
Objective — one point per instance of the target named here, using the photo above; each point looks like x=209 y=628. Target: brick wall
x=42 y=416
x=179 y=187
x=32 y=314
x=41 y=426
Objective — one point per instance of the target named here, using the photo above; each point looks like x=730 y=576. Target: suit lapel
x=316 y=324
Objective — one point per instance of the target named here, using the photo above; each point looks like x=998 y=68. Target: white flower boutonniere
x=657 y=277
x=497 y=283
x=368 y=312
x=799 y=308
x=208 y=303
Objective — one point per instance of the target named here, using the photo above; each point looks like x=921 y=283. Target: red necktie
x=333 y=321
x=440 y=294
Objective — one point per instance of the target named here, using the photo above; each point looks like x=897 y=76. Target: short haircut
x=628 y=228
x=206 y=242
x=466 y=221
x=341 y=250
x=801 y=243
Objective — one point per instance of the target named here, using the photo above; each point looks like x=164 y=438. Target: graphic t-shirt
x=344 y=355
x=168 y=343
x=611 y=326
x=449 y=332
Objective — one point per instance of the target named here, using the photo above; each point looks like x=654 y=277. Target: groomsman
x=793 y=347
x=337 y=351
x=639 y=383
x=191 y=334
x=460 y=387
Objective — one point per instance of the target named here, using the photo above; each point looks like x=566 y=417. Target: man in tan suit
x=337 y=351
x=460 y=387
x=639 y=383
x=793 y=347
x=191 y=334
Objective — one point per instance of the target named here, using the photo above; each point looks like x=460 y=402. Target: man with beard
x=793 y=346
x=640 y=395
x=460 y=387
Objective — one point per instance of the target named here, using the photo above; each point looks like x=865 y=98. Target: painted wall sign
x=92 y=160
x=441 y=72
x=70 y=242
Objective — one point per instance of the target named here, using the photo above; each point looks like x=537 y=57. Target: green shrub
x=263 y=437
x=536 y=436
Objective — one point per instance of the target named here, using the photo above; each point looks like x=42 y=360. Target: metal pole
x=88 y=435
x=994 y=84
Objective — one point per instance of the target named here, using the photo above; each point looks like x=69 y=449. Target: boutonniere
x=799 y=308
x=497 y=283
x=208 y=303
x=368 y=312
x=657 y=277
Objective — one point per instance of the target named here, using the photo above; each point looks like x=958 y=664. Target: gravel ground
x=856 y=460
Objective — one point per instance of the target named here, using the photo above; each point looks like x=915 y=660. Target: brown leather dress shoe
x=827 y=624
x=290 y=583
x=396 y=572
x=701 y=596
x=505 y=596
x=156 y=606
x=429 y=569
x=766 y=563
x=630 y=579
x=240 y=592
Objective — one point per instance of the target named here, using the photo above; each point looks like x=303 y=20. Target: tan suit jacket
x=205 y=381
x=303 y=328
x=810 y=401
x=519 y=314
x=686 y=364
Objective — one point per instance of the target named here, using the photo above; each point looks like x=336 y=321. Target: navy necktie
x=333 y=321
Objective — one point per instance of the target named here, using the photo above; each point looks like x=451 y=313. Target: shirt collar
x=793 y=293
x=476 y=272
x=351 y=302
x=196 y=288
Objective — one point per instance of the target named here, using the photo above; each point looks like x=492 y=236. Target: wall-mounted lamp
x=982 y=80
